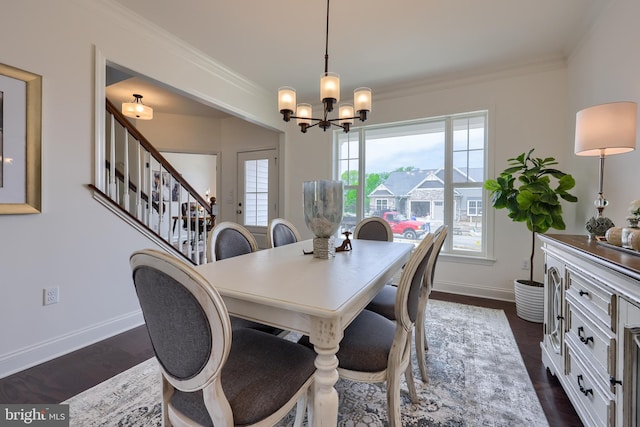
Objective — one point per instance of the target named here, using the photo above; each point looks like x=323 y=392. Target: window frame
x=485 y=254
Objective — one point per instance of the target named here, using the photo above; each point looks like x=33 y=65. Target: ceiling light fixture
x=136 y=109
x=330 y=95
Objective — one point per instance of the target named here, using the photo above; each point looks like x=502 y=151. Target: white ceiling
x=380 y=44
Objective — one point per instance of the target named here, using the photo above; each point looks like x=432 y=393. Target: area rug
x=476 y=378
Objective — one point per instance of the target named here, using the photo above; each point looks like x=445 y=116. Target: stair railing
x=141 y=183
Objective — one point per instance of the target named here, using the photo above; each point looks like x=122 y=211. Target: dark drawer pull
x=583 y=293
x=585 y=340
x=558 y=317
x=614 y=381
x=585 y=391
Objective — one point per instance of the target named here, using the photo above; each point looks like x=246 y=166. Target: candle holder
x=323 y=214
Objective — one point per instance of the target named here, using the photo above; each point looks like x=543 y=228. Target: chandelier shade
x=136 y=109
x=329 y=96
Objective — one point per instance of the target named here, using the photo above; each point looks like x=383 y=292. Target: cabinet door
x=628 y=378
x=554 y=315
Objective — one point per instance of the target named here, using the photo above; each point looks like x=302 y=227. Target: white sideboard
x=592 y=327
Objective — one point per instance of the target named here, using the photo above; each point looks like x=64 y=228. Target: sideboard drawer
x=596 y=345
x=595 y=298
x=594 y=403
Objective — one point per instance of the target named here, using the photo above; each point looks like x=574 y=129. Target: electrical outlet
x=51 y=295
x=525 y=264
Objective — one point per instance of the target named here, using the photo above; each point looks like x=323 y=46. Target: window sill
x=465 y=259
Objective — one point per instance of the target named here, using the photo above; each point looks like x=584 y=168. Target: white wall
x=606 y=68
x=75 y=243
x=527 y=109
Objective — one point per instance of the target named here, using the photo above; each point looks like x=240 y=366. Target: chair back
x=373 y=228
x=187 y=320
x=281 y=232
x=411 y=281
x=229 y=239
x=439 y=236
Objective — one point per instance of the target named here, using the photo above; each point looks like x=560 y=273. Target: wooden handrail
x=120 y=118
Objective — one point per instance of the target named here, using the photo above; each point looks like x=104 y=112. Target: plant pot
x=529 y=300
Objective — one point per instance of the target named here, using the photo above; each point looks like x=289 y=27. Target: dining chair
x=373 y=228
x=375 y=349
x=211 y=376
x=281 y=232
x=421 y=342
x=227 y=240
x=384 y=302
x=376 y=228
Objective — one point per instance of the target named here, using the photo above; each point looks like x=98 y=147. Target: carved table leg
x=325 y=337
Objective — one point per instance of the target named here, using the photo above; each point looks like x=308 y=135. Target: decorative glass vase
x=631 y=228
x=323 y=214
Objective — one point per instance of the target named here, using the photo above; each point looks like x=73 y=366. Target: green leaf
x=565 y=183
x=492 y=185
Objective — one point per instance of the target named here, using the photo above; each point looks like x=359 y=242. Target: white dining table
x=284 y=288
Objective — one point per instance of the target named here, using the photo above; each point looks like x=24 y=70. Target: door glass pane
x=256 y=200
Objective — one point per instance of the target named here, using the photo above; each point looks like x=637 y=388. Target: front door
x=258 y=191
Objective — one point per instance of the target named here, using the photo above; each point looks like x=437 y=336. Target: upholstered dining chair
x=211 y=376
x=422 y=344
x=228 y=240
x=375 y=349
x=373 y=228
x=281 y=232
x=384 y=302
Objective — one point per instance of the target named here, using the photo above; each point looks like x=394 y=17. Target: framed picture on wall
x=20 y=141
x=169 y=192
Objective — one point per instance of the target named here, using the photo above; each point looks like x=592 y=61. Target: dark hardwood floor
x=66 y=376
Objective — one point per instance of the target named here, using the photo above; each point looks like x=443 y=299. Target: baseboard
x=474 y=290
x=36 y=354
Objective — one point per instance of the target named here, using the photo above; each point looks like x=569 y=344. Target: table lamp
x=603 y=130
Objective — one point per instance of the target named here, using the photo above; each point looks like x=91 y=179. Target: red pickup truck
x=410 y=229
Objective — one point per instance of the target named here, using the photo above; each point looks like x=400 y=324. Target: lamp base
x=598 y=226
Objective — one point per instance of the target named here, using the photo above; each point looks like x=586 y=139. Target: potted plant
x=525 y=190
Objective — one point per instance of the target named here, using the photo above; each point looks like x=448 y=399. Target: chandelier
x=330 y=95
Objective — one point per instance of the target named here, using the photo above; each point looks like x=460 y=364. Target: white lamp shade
x=304 y=113
x=362 y=99
x=286 y=99
x=330 y=86
x=345 y=113
x=606 y=129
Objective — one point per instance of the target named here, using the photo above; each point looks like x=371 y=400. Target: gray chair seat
x=384 y=302
x=256 y=385
x=366 y=343
x=239 y=323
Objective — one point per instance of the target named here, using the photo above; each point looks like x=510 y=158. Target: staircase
x=143 y=188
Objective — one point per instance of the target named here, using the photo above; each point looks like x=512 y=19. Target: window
x=256 y=189
x=474 y=207
x=430 y=172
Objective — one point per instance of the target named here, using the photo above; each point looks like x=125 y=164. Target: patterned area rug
x=476 y=378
